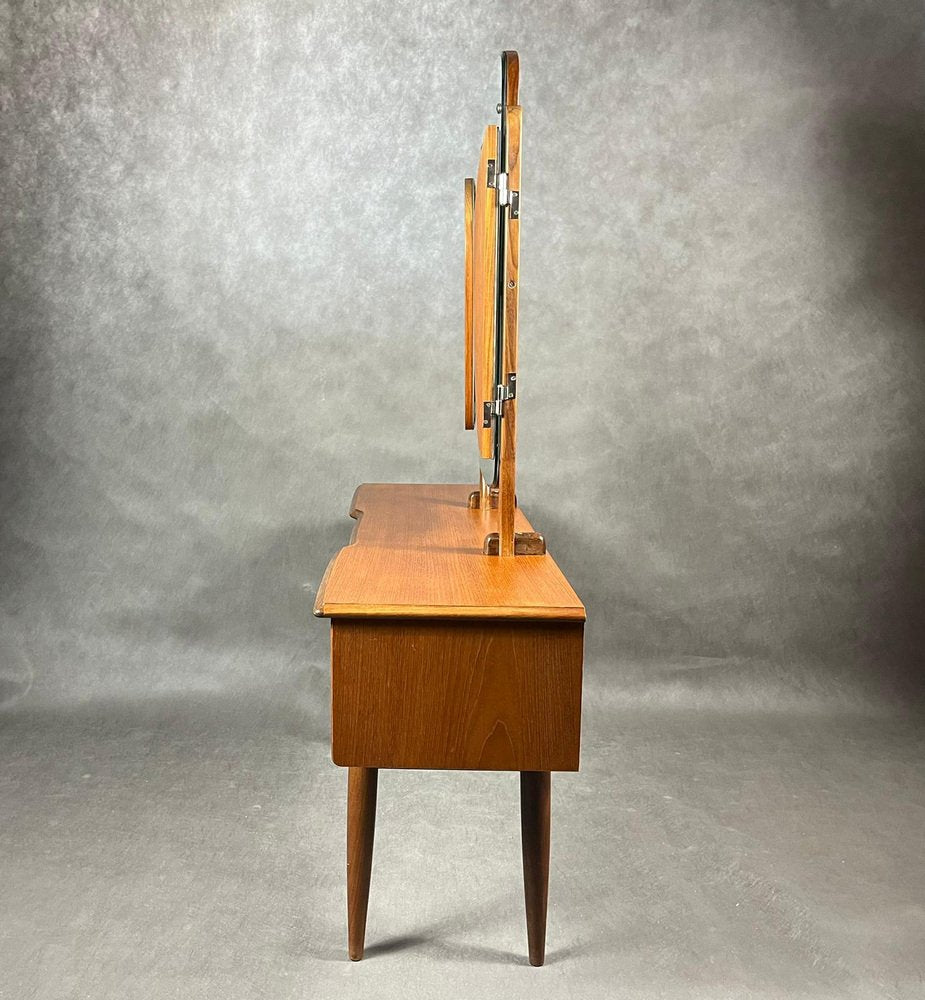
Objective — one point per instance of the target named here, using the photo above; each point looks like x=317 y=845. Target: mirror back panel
x=485 y=262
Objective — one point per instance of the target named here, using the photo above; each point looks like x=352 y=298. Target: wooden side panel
x=485 y=266
x=469 y=388
x=463 y=694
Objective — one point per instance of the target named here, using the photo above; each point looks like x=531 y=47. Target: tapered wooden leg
x=535 y=795
x=362 y=783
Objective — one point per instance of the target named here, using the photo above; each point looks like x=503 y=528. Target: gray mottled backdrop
x=231 y=252
x=231 y=257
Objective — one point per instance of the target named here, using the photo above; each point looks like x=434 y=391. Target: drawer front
x=485 y=695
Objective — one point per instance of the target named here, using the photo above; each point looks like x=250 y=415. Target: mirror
x=488 y=214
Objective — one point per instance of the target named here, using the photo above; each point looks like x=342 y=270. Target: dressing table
x=456 y=641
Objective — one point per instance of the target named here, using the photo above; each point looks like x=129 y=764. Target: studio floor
x=194 y=847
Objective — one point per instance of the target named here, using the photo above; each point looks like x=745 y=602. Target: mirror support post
x=511 y=278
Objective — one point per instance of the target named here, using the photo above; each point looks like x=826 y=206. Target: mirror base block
x=526 y=543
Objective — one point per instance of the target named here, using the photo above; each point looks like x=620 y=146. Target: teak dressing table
x=456 y=641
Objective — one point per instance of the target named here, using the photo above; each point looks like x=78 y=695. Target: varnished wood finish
x=511 y=63
x=508 y=475
x=535 y=802
x=441 y=657
x=469 y=362
x=417 y=553
x=507 y=480
x=526 y=543
x=485 y=265
x=362 y=783
x=486 y=695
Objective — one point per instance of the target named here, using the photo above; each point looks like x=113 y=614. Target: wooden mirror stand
x=492 y=220
x=456 y=641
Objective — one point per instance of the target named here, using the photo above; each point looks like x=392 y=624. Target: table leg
x=362 y=783
x=535 y=794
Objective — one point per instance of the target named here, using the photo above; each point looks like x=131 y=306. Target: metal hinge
x=495 y=407
x=505 y=195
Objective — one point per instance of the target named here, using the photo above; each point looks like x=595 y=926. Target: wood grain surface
x=362 y=785
x=508 y=471
x=469 y=387
x=511 y=64
x=535 y=810
x=485 y=265
x=417 y=553
x=487 y=695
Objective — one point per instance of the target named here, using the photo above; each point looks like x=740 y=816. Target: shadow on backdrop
x=189 y=723
x=256 y=594
x=872 y=150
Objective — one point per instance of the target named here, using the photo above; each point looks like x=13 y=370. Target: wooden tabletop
x=416 y=552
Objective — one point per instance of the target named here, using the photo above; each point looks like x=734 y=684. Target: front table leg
x=535 y=797
x=361 y=826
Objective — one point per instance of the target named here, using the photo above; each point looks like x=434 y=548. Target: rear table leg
x=535 y=794
x=362 y=783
